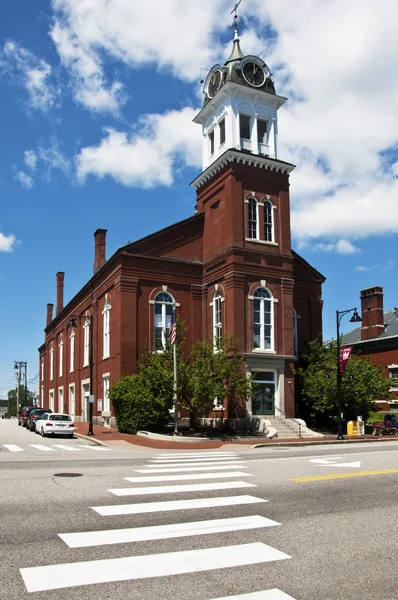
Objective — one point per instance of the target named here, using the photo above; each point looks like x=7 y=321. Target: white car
x=55 y=424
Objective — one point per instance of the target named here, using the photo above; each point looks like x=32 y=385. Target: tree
x=238 y=387
x=26 y=398
x=361 y=384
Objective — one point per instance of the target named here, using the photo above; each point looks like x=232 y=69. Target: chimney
x=99 y=249
x=49 y=316
x=372 y=313
x=60 y=292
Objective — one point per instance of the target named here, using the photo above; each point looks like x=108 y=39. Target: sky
x=97 y=99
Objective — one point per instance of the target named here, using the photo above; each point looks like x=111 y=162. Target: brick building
x=228 y=269
x=377 y=336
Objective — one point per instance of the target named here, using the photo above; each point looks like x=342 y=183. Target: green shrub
x=136 y=407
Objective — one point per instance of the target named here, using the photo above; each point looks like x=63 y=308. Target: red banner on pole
x=345 y=354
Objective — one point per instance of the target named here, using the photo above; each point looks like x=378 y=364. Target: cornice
x=237 y=156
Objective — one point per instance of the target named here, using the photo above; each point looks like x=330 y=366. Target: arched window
x=268 y=225
x=252 y=218
x=106 y=328
x=217 y=322
x=262 y=320
x=164 y=303
x=72 y=351
x=86 y=342
x=61 y=357
x=51 y=363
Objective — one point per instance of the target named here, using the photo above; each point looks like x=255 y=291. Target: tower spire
x=236 y=53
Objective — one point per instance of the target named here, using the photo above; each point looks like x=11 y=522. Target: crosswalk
x=171 y=468
x=54 y=448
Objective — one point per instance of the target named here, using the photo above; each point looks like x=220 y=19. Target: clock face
x=214 y=84
x=253 y=74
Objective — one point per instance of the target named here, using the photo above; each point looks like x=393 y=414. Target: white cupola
x=240 y=108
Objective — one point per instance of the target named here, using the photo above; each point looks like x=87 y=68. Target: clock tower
x=240 y=108
x=243 y=191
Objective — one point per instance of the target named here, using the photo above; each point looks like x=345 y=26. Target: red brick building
x=377 y=336
x=228 y=269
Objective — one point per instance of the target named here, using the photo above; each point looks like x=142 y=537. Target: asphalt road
x=316 y=522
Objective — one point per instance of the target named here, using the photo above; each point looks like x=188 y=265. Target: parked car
x=54 y=424
x=23 y=414
x=34 y=416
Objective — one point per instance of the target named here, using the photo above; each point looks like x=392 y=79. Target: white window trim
x=257 y=218
x=164 y=327
x=61 y=357
x=61 y=394
x=261 y=242
x=72 y=386
x=51 y=404
x=106 y=329
x=262 y=325
x=42 y=369
x=51 y=363
x=106 y=398
x=269 y=203
x=86 y=342
x=72 y=351
x=216 y=297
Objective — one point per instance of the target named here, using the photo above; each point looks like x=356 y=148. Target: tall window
x=72 y=405
x=221 y=125
x=61 y=357
x=86 y=342
x=164 y=303
x=211 y=142
x=217 y=324
x=262 y=131
x=244 y=124
x=72 y=351
x=42 y=369
x=51 y=363
x=262 y=320
x=252 y=218
x=268 y=228
x=61 y=400
x=107 y=329
x=51 y=400
x=106 y=381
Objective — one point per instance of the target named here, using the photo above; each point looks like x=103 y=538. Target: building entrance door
x=86 y=402
x=263 y=402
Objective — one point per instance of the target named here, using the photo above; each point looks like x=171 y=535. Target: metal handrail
x=290 y=419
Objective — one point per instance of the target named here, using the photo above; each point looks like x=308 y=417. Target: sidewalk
x=102 y=435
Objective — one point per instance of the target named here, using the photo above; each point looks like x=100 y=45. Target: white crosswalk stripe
x=87 y=539
x=13 y=448
x=193 y=460
x=175 y=469
x=171 y=468
x=196 y=454
x=273 y=594
x=42 y=448
x=53 y=577
x=187 y=477
x=178 y=489
x=150 y=507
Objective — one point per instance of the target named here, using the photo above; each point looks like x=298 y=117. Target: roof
x=390 y=330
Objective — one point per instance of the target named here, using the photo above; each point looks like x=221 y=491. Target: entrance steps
x=290 y=428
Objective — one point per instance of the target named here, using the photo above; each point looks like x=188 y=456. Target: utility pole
x=20 y=365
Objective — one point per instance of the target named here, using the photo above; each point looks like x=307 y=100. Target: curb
x=323 y=443
x=90 y=439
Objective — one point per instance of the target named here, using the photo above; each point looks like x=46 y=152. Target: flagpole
x=175 y=390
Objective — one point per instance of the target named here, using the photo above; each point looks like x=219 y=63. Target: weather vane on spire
x=235 y=23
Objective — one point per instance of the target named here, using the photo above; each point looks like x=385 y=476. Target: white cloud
x=30 y=159
x=146 y=159
x=51 y=158
x=25 y=179
x=7 y=242
x=341 y=113
x=32 y=73
x=340 y=247
x=173 y=35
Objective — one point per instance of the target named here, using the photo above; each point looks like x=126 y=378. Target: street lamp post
x=72 y=324
x=354 y=319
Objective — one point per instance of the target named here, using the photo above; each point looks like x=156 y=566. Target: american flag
x=173 y=328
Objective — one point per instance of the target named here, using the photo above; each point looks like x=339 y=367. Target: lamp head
x=72 y=323
x=355 y=317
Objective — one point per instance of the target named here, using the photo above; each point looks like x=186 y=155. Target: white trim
x=72 y=386
x=61 y=393
x=261 y=242
x=86 y=342
x=72 y=351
